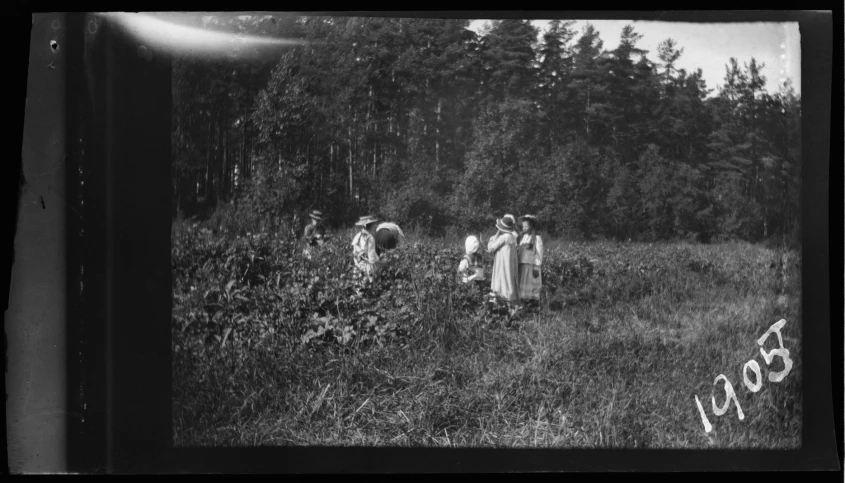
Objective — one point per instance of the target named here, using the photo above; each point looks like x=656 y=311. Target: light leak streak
x=183 y=39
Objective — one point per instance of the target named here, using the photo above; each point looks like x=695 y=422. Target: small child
x=471 y=267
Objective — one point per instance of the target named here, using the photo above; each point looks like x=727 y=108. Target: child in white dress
x=364 y=249
x=471 y=267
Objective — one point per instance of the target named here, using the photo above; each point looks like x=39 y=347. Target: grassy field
x=272 y=349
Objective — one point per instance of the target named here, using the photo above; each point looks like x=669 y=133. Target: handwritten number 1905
x=730 y=395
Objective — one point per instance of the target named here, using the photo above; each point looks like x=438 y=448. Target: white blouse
x=364 y=250
x=525 y=253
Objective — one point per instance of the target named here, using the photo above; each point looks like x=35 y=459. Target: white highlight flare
x=173 y=37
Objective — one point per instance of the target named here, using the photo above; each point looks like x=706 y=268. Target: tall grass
x=624 y=338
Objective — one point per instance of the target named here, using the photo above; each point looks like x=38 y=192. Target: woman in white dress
x=364 y=248
x=504 y=281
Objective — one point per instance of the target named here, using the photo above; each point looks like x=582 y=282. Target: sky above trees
x=710 y=46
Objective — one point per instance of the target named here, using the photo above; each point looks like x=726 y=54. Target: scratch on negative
x=69 y=205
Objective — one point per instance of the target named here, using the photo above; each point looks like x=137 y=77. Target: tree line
x=431 y=124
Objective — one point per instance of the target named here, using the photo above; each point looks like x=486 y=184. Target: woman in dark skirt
x=530 y=254
x=388 y=236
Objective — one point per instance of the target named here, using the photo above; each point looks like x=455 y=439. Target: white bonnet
x=471 y=244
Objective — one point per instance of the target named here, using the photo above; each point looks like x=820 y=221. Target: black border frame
x=127 y=408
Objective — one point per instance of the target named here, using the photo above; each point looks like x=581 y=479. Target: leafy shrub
x=243 y=291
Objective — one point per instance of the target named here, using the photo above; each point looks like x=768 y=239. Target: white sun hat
x=471 y=244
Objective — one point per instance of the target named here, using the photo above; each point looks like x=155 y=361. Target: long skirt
x=529 y=284
x=505 y=276
x=385 y=240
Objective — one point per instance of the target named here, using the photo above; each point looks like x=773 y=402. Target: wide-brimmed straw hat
x=510 y=217
x=530 y=219
x=316 y=215
x=366 y=220
x=505 y=224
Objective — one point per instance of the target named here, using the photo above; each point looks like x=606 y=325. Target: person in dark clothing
x=387 y=237
x=314 y=233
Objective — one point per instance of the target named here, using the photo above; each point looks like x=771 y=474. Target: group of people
x=373 y=240
x=517 y=254
x=368 y=245
x=517 y=261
